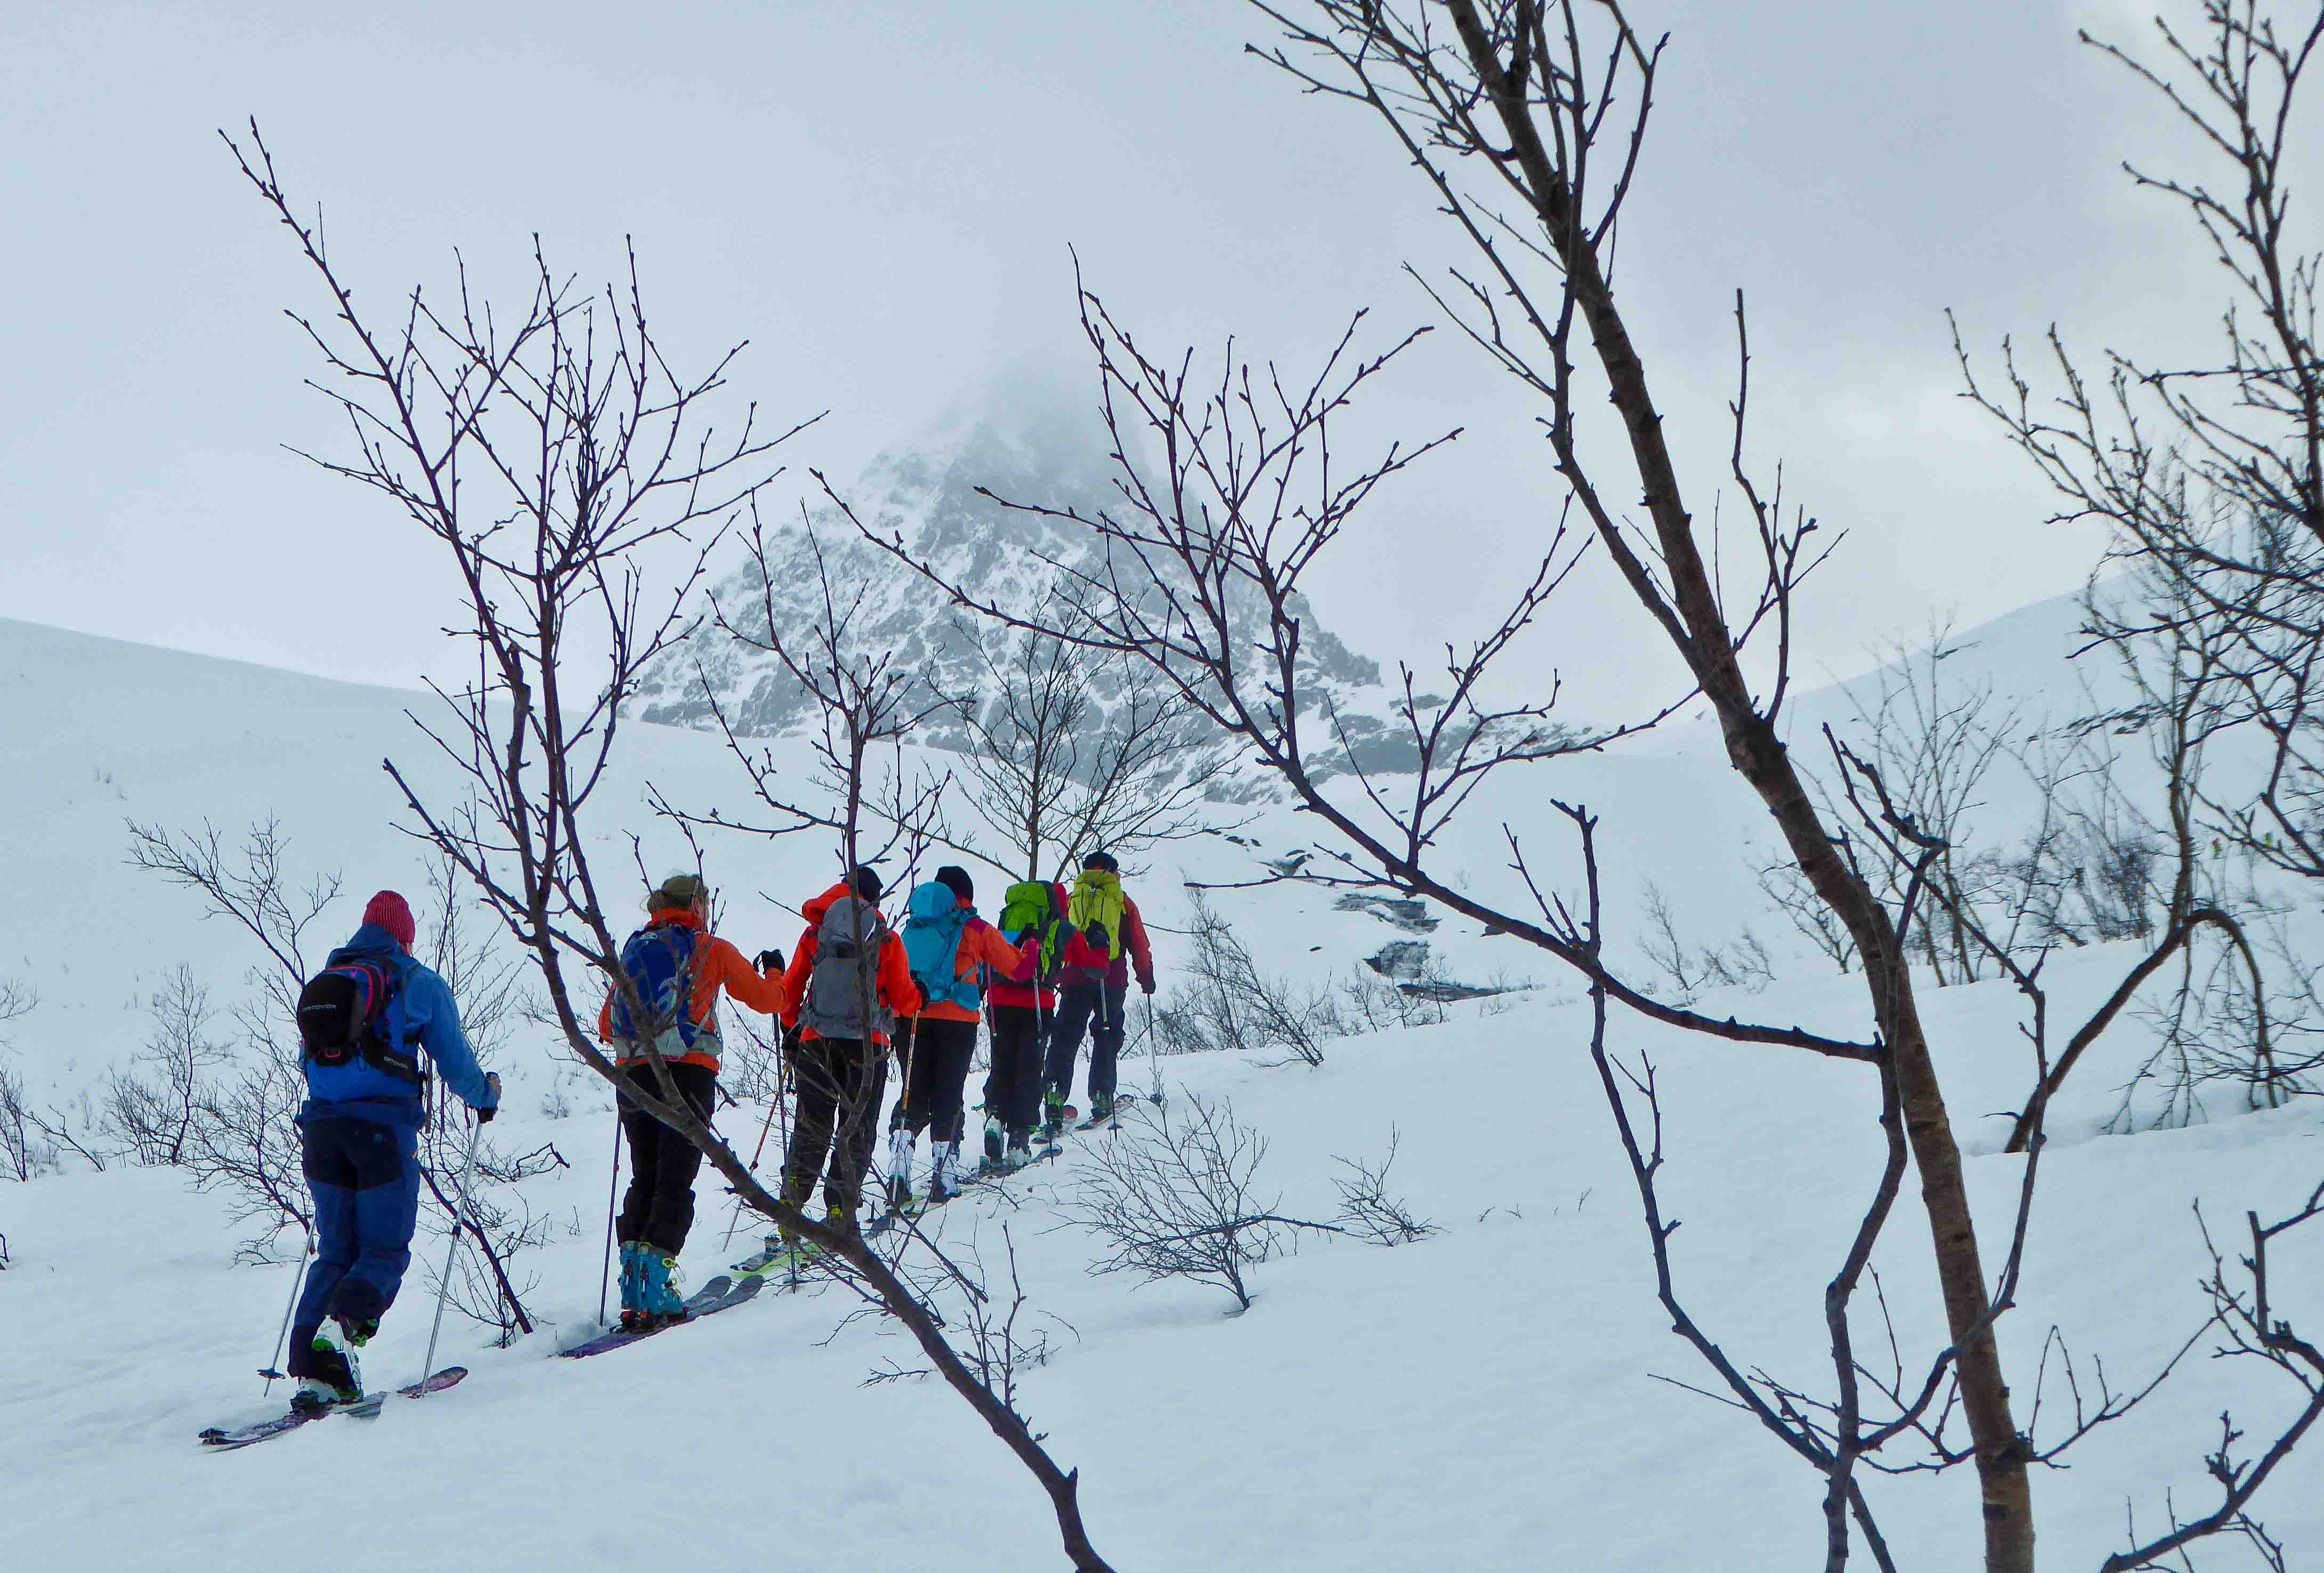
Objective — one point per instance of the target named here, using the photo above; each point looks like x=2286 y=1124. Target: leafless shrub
x=151 y=1118
x=1174 y=1196
x=75 y=1128
x=2221 y=1029
x=1369 y=1003
x=1367 y=1208
x=246 y=884
x=1690 y=971
x=1787 y=889
x=25 y=1149
x=22 y=1149
x=1225 y=1000
x=556 y=1098
x=244 y=1141
x=1002 y=1338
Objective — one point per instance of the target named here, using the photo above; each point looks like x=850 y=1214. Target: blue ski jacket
x=421 y=1011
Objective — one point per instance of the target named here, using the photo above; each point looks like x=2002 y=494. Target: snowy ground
x=1483 y=1400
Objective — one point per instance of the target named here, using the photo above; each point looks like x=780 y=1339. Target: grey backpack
x=843 y=993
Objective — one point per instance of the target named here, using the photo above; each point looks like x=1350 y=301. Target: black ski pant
x=1013 y=1093
x=936 y=1076
x=658 y=1206
x=841 y=1081
x=1099 y=1010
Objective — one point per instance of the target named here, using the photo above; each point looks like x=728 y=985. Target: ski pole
x=274 y=1366
x=766 y=1125
x=444 y=1279
x=613 y=1188
x=734 y=1219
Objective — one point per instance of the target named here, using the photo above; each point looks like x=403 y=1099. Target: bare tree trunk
x=1697 y=627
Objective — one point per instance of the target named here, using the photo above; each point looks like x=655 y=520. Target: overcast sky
x=880 y=198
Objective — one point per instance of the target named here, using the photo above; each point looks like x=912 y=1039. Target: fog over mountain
x=1030 y=442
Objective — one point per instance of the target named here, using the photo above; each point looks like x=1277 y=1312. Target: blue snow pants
x=364 y=1176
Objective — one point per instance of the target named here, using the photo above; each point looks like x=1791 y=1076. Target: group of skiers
x=1054 y=968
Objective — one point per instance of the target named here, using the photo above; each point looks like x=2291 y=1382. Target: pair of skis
x=775 y=1260
x=368 y=1407
x=1112 y=1118
x=721 y=1293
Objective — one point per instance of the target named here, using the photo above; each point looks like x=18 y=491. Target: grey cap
x=679 y=889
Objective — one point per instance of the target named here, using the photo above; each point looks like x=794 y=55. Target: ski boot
x=784 y=1257
x=1101 y=1108
x=635 y=1318
x=996 y=1136
x=1053 y=1113
x=333 y=1377
x=944 y=1183
x=899 y=1169
x=662 y=1287
x=1018 y=1156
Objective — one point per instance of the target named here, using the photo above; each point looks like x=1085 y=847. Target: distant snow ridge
x=928 y=494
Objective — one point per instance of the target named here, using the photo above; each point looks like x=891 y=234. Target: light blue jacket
x=421 y=1011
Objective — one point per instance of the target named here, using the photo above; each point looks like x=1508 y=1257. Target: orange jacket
x=981 y=945
x=717 y=964
x=894 y=983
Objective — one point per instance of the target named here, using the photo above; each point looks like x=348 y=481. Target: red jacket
x=1083 y=961
x=894 y=983
x=717 y=964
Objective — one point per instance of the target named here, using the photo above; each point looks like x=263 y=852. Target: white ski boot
x=899 y=1169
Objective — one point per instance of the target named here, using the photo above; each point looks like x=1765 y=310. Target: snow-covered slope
x=1485 y=1399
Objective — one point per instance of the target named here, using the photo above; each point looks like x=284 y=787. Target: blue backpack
x=659 y=961
x=933 y=924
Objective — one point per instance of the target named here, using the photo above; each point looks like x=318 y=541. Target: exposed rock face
x=1413 y=917
x=1403 y=960
x=1032 y=452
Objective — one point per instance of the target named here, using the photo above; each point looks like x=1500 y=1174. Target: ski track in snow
x=1483 y=1399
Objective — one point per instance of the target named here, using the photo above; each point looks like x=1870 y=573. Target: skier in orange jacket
x=841 y=1057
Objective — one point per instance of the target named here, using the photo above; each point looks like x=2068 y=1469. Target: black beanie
x=957 y=878
x=1101 y=860
x=867 y=882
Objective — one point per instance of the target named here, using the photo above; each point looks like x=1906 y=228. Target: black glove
x=1145 y=985
x=770 y=961
x=493 y=1080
